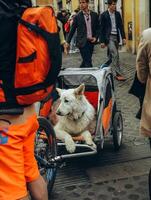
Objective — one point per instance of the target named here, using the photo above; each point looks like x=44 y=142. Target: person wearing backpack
x=18 y=119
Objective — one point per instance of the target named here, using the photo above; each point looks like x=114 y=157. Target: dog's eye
x=66 y=101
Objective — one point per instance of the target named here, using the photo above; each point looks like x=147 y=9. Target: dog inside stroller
x=99 y=90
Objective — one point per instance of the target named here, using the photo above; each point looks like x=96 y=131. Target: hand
x=103 y=45
x=124 y=41
x=68 y=45
x=66 y=48
x=93 y=40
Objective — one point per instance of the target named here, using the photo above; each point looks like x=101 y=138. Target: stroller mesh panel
x=75 y=80
x=91 y=88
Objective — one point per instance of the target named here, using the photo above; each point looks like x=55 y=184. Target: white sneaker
x=77 y=50
x=71 y=51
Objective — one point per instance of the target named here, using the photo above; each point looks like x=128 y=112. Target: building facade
x=74 y=4
x=137 y=17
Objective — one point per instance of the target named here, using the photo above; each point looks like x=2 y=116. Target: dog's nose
x=58 y=112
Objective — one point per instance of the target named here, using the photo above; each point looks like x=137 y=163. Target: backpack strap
x=14 y=7
x=4 y=5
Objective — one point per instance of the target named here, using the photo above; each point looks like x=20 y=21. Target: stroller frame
x=101 y=79
x=109 y=120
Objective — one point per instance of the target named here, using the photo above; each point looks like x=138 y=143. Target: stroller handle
x=106 y=64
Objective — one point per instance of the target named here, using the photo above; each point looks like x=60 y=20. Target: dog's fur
x=75 y=115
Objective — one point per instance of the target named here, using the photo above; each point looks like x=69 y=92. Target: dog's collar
x=79 y=116
x=76 y=119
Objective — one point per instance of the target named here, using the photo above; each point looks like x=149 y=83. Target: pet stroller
x=99 y=90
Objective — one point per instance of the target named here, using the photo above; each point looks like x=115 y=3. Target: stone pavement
x=132 y=188
x=117 y=181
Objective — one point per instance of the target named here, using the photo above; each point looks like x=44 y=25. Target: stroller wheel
x=46 y=150
x=117 y=130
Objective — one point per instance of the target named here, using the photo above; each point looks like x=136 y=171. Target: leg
x=66 y=138
x=88 y=138
x=91 y=48
x=38 y=189
x=86 y=54
x=72 y=44
x=35 y=183
x=83 y=53
x=117 y=61
x=113 y=53
x=12 y=180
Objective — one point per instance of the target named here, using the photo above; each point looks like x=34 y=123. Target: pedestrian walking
x=63 y=17
x=87 y=27
x=143 y=67
x=111 y=30
x=73 y=48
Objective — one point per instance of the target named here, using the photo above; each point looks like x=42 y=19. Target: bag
x=9 y=9
x=31 y=75
x=38 y=55
x=67 y=26
x=138 y=90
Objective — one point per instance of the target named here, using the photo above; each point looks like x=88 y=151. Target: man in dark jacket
x=111 y=28
x=87 y=25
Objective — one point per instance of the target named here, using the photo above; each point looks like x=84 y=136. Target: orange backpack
x=38 y=59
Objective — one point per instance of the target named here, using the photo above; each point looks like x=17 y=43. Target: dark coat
x=80 y=25
x=106 y=27
x=138 y=90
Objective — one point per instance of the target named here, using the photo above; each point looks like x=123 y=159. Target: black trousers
x=86 y=54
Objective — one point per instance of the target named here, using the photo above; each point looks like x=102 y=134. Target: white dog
x=75 y=116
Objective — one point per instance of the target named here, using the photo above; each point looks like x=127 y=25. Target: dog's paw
x=70 y=145
x=91 y=143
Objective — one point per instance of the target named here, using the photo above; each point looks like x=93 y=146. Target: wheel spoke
x=45 y=151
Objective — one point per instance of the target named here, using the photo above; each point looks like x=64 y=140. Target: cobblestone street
x=112 y=176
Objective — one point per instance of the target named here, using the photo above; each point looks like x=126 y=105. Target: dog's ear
x=59 y=91
x=80 y=90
